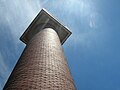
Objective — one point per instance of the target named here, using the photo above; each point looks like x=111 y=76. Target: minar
x=42 y=65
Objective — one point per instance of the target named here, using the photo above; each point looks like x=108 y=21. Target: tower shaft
x=42 y=65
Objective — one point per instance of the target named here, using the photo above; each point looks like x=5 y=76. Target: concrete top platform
x=45 y=20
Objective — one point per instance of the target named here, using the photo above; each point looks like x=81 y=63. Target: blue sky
x=93 y=49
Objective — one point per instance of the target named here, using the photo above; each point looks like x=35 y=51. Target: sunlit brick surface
x=42 y=65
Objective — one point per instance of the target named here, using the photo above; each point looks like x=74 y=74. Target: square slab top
x=45 y=20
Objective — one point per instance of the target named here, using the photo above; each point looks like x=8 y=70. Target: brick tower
x=42 y=65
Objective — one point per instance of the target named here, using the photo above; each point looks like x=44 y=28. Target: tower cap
x=45 y=20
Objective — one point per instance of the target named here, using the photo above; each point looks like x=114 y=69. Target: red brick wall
x=42 y=66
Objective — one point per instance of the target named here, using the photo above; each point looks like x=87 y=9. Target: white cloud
x=2 y=65
x=3 y=71
x=94 y=20
x=18 y=15
x=85 y=14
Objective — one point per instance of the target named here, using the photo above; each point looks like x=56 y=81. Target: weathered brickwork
x=42 y=66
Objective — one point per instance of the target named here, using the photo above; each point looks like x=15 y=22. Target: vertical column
x=42 y=66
